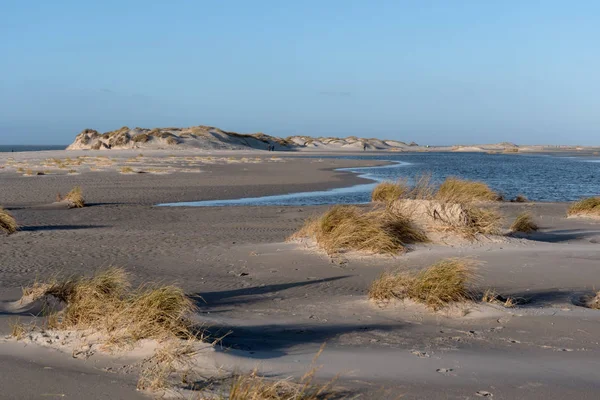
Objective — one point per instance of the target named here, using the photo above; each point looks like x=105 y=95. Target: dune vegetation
x=593 y=301
x=347 y=228
x=390 y=191
x=585 y=207
x=107 y=304
x=520 y=199
x=455 y=190
x=8 y=224
x=437 y=286
x=253 y=386
x=451 y=190
x=74 y=198
x=486 y=221
x=524 y=223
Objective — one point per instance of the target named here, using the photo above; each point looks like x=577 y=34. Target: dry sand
x=282 y=300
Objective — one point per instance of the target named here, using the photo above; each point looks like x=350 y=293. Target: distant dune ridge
x=211 y=138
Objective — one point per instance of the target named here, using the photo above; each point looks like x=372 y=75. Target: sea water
x=537 y=177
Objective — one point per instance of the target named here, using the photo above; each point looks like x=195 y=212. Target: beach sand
x=283 y=300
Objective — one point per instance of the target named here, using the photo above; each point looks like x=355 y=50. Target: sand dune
x=211 y=138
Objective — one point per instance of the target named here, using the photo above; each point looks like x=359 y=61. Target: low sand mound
x=432 y=213
x=442 y=221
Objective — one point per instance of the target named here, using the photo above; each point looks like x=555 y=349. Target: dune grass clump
x=390 y=191
x=441 y=284
x=8 y=224
x=587 y=207
x=126 y=170
x=253 y=386
x=348 y=228
x=520 y=199
x=74 y=198
x=524 y=223
x=593 y=302
x=455 y=190
x=486 y=221
x=492 y=297
x=106 y=303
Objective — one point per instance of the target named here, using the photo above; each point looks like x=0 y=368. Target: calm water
x=21 y=147
x=538 y=177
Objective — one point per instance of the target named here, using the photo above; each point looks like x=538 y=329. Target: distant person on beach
x=364 y=147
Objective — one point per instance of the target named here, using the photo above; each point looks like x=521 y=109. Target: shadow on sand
x=43 y=228
x=251 y=294
x=557 y=236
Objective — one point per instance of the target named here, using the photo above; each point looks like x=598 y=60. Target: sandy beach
x=281 y=300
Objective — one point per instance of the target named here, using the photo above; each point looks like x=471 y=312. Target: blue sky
x=436 y=72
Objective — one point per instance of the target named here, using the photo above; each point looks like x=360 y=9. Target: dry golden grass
x=126 y=170
x=170 y=358
x=487 y=221
x=8 y=224
x=106 y=303
x=253 y=386
x=390 y=191
x=520 y=199
x=594 y=302
x=441 y=284
x=524 y=223
x=348 y=228
x=492 y=297
x=74 y=198
x=455 y=190
x=589 y=206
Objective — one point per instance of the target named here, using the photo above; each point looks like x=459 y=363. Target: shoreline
x=273 y=200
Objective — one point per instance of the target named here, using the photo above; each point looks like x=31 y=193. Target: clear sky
x=436 y=72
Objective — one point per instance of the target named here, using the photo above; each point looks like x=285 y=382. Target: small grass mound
x=586 y=207
x=520 y=199
x=348 y=228
x=439 y=285
x=492 y=297
x=107 y=304
x=487 y=221
x=388 y=192
x=593 y=302
x=74 y=198
x=455 y=190
x=8 y=223
x=524 y=223
x=253 y=386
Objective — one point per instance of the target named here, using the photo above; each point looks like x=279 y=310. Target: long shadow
x=43 y=228
x=548 y=297
x=557 y=236
x=235 y=296
x=272 y=341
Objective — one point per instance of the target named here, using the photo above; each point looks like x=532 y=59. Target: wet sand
x=282 y=301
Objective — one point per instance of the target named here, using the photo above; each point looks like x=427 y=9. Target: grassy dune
x=524 y=223
x=586 y=207
x=8 y=224
x=455 y=190
x=106 y=303
x=345 y=228
x=452 y=190
x=439 y=285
